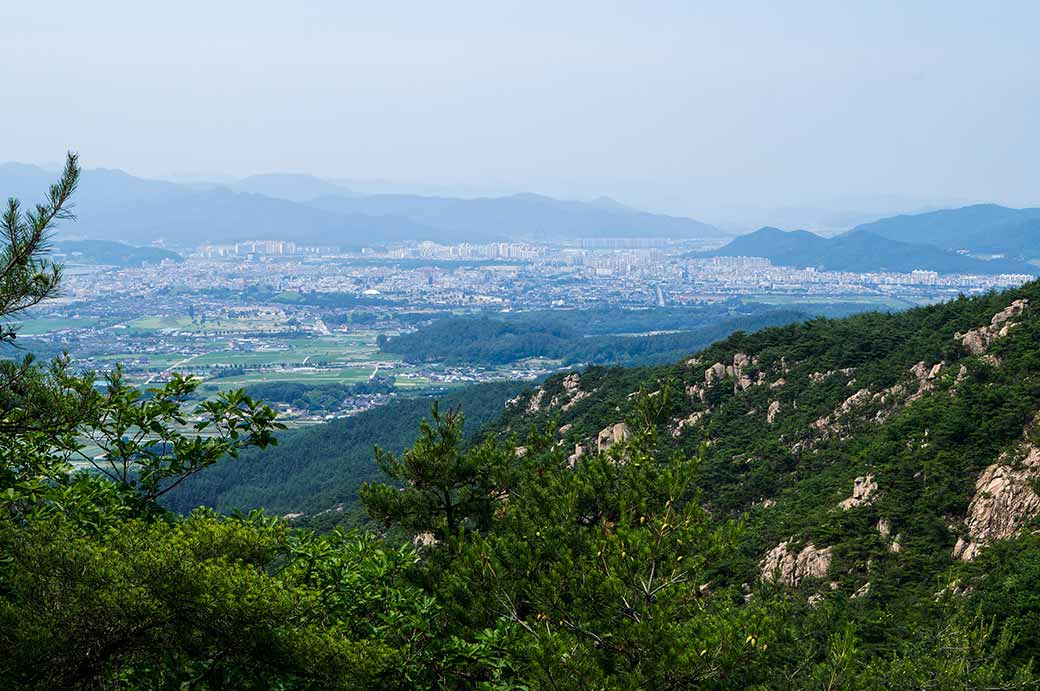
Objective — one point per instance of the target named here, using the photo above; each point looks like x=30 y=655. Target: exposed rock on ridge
x=862 y=489
x=783 y=565
x=977 y=341
x=1005 y=500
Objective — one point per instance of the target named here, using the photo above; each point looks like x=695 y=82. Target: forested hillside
x=589 y=336
x=882 y=466
x=321 y=468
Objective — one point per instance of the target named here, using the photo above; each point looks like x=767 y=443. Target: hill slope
x=858 y=251
x=876 y=458
x=318 y=468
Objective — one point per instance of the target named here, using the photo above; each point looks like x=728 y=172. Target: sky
x=698 y=108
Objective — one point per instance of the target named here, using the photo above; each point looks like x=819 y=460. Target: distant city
x=523 y=275
x=265 y=312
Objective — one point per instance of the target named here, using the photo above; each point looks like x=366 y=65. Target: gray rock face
x=977 y=341
x=1004 y=502
x=608 y=436
x=774 y=408
x=535 y=404
x=716 y=372
x=783 y=565
x=719 y=371
x=862 y=489
x=687 y=423
x=857 y=399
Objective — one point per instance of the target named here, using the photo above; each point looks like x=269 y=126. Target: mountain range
x=117 y=206
x=121 y=207
x=860 y=251
x=980 y=229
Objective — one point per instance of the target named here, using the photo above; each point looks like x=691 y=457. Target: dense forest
x=321 y=468
x=594 y=336
x=830 y=504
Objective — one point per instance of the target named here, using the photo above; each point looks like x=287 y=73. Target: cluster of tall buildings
x=248 y=248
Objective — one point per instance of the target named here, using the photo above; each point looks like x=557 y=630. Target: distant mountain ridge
x=519 y=215
x=980 y=229
x=859 y=251
x=293 y=187
x=113 y=205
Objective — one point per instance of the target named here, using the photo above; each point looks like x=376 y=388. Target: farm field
x=45 y=325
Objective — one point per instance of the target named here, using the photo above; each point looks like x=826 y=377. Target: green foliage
x=208 y=603
x=142 y=441
x=445 y=488
x=320 y=469
x=26 y=277
x=487 y=341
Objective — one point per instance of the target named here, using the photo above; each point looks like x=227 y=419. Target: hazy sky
x=684 y=106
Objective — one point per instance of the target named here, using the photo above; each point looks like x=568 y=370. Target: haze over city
x=807 y=114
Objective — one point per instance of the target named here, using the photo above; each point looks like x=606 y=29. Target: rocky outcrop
x=782 y=565
x=608 y=436
x=923 y=379
x=774 y=408
x=579 y=451
x=862 y=488
x=535 y=404
x=572 y=391
x=687 y=423
x=857 y=399
x=817 y=377
x=977 y=341
x=425 y=541
x=884 y=529
x=716 y=372
x=571 y=394
x=697 y=392
x=926 y=378
x=1005 y=501
x=737 y=370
